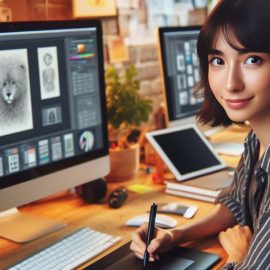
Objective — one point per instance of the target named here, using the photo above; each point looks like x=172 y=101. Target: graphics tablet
x=180 y=258
x=185 y=151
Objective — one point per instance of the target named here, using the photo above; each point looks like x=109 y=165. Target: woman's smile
x=238 y=104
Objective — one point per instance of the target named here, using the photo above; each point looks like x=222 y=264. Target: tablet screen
x=185 y=151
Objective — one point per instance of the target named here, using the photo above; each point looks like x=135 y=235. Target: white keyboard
x=69 y=252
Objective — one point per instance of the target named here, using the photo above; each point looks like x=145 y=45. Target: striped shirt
x=237 y=200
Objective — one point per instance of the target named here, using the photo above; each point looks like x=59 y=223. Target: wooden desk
x=69 y=208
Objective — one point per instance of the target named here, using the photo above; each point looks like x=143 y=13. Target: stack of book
x=204 y=188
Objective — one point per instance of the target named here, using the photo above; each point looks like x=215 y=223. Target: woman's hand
x=236 y=242
x=163 y=241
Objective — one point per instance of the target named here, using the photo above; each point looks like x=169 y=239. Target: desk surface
x=69 y=208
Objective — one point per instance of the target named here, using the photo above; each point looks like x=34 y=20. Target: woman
x=234 y=53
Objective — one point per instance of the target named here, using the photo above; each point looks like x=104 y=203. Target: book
x=206 y=188
x=191 y=195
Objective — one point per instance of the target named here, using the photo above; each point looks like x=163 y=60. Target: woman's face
x=240 y=81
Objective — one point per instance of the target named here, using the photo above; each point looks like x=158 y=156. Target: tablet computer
x=185 y=151
x=180 y=258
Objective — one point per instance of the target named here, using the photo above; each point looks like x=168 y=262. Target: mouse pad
x=180 y=258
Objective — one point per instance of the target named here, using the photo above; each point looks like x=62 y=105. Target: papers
x=117 y=50
x=229 y=148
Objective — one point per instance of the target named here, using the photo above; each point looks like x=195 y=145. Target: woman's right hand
x=163 y=241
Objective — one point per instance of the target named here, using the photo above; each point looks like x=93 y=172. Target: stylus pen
x=150 y=232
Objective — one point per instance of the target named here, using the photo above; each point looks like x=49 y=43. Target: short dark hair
x=249 y=22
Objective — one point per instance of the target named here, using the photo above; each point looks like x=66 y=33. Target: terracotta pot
x=124 y=163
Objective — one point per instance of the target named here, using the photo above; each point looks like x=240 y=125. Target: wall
x=19 y=9
x=131 y=33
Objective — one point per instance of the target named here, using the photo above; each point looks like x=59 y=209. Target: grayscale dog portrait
x=15 y=104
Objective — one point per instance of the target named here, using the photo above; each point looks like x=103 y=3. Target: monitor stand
x=23 y=227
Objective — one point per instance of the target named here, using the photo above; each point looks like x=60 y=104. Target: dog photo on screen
x=15 y=96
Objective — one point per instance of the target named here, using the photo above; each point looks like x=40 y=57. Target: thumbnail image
x=1 y=167
x=15 y=95
x=180 y=63
x=12 y=157
x=189 y=69
x=69 y=145
x=195 y=59
x=43 y=149
x=187 y=46
x=81 y=48
x=86 y=141
x=29 y=154
x=190 y=81
x=183 y=98
x=56 y=147
x=181 y=81
x=188 y=59
x=51 y=115
x=48 y=72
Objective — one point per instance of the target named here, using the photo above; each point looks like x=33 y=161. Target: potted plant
x=126 y=110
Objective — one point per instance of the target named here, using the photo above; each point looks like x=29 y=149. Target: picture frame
x=93 y=8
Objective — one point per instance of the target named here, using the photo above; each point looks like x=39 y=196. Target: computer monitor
x=180 y=72
x=53 y=125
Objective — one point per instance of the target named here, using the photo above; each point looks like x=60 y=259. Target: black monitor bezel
x=29 y=174
x=164 y=67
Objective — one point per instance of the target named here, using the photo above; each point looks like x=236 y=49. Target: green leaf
x=125 y=107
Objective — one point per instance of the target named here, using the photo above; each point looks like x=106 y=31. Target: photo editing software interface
x=50 y=98
x=181 y=71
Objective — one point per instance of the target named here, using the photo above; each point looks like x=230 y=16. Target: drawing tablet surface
x=179 y=258
x=185 y=151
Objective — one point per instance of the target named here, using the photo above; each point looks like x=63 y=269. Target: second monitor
x=180 y=70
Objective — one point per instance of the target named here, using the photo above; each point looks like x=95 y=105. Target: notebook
x=205 y=188
x=180 y=258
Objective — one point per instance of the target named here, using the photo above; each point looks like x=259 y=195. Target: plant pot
x=124 y=163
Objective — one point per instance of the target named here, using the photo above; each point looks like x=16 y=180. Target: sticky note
x=139 y=188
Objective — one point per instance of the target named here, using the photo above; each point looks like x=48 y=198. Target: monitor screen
x=53 y=128
x=180 y=72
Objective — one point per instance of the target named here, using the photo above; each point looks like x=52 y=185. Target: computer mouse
x=162 y=221
x=117 y=197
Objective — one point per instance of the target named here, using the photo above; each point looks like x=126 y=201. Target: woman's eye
x=253 y=60
x=216 y=61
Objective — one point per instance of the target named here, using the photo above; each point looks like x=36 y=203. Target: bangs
x=239 y=37
x=236 y=35
x=241 y=29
